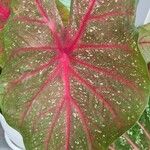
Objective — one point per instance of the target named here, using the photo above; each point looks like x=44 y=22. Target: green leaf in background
x=63 y=11
x=67 y=3
x=144 y=41
x=74 y=78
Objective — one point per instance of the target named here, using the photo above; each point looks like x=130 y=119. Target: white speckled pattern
x=3 y=145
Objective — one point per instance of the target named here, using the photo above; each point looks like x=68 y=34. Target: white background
x=143 y=12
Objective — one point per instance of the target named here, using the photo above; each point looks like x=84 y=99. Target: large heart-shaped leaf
x=74 y=86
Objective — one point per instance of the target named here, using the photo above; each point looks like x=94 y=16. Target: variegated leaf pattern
x=4 y=15
x=4 y=12
x=74 y=86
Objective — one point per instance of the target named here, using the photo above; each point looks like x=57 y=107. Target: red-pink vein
x=41 y=10
x=34 y=72
x=41 y=114
x=144 y=42
x=50 y=23
x=100 y=97
x=65 y=62
x=30 y=49
x=56 y=37
x=83 y=24
x=30 y=103
x=53 y=124
x=85 y=125
x=4 y=12
x=141 y=38
x=109 y=73
x=30 y=20
x=68 y=124
x=104 y=46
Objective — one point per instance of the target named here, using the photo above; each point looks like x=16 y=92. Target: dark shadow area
x=0 y=70
x=149 y=66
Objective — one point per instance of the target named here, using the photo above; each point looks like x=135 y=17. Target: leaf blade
x=97 y=95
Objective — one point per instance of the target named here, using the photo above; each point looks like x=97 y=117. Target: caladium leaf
x=144 y=41
x=4 y=15
x=137 y=137
x=4 y=12
x=1 y=49
x=74 y=86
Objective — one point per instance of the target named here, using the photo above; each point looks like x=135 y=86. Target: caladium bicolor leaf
x=4 y=12
x=144 y=41
x=4 y=15
x=1 y=48
x=74 y=86
x=138 y=137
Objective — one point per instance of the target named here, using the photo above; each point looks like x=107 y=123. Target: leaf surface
x=74 y=86
x=4 y=15
x=138 y=137
x=144 y=41
x=4 y=12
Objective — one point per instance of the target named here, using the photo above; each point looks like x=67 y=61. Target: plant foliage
x=75 y=80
